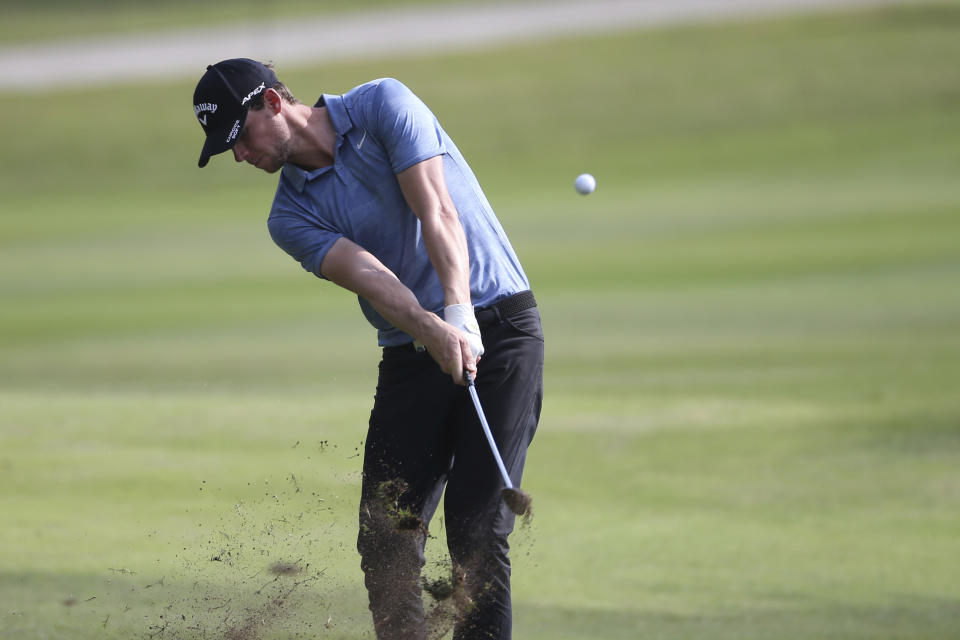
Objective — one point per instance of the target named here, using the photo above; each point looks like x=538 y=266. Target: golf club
x=519 y=501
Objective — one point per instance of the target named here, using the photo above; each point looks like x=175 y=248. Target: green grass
x=753 y=345
x=29 y=22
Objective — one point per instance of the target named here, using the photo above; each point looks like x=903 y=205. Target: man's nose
x=239 y=153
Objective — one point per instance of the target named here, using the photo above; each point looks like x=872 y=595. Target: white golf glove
x=461 y=316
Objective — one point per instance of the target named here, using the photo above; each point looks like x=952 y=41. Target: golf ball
x=585 y=183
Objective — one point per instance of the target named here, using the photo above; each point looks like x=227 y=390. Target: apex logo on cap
x=253 y=93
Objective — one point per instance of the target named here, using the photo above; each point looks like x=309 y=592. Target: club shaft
x=486 y=431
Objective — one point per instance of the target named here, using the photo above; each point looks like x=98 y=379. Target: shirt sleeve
x=405 y=126
x=306 y=237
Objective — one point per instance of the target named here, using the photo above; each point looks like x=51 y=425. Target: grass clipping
x=262 y=572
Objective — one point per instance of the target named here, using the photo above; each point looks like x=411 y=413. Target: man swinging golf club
x=374 y=196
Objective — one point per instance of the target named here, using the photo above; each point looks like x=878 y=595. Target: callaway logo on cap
x=221 y=100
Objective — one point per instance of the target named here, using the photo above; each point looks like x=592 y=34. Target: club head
x=519 y=502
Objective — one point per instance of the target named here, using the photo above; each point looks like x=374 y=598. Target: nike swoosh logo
x=360 y=144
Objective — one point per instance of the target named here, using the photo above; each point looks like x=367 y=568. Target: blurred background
x=752 y=425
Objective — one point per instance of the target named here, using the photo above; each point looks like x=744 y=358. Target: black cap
x=221 y=98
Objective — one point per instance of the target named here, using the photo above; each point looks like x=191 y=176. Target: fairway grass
x=26 y=21
x=751 y=427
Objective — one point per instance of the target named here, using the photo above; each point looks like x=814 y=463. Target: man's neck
x=314 y=138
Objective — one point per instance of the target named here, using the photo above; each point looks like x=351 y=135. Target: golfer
x=374 y=196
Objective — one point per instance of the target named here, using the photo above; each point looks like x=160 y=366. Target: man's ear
x=272 y=101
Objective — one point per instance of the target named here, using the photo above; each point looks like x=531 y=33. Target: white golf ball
x=585 y=183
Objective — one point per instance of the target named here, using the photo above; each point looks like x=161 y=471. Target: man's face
x=264 y=141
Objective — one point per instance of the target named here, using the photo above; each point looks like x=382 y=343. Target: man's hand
x=451 y=348
x=462 y=317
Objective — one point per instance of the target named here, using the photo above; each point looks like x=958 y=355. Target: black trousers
x=424 y=437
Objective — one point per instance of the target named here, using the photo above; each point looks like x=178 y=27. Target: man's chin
x=269 y=167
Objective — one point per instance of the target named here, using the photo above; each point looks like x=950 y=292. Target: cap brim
x=204 y=156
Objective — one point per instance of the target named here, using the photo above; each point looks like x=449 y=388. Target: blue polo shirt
x=383 y=128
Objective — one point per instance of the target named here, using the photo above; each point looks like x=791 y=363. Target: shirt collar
x=338 y=113
x=341 y=124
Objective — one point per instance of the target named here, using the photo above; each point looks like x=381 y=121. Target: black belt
x=487 y=315
x=506 y=307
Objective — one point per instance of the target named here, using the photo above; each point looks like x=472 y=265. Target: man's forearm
x=353 y=268
x=398 y=305
x=425 y=190
x=446 y=245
